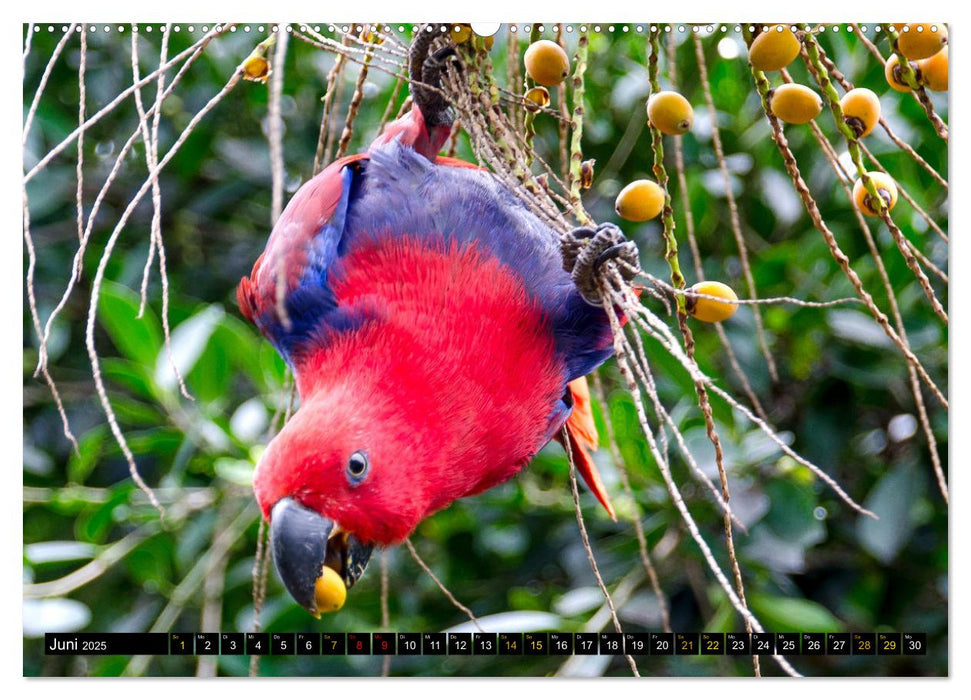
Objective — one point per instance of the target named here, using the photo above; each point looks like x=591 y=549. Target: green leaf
x=136 y=339
x=132 y=375
x=236 y=471
x=792 y=614
x=242 y=346
x=80 y=466
x=791 y=515
x=892 y=500
x=189 y=340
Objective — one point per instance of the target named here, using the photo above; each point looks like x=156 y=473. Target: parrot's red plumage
x=436 y=341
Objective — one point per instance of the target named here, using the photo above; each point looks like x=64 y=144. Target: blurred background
x=96 y=556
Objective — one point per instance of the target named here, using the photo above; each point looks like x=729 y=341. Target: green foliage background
x=810 y=563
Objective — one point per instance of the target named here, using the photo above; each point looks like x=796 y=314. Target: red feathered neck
x=412 y=131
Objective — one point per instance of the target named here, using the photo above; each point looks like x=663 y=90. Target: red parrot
x=436 y=340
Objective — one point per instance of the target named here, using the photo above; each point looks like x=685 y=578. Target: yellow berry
x=885 y=187
x=461 y=33
x=933 y=71
x=892 y=72
x=709 y=310
x=329 y=591
x=670 y=113
x=641 y=200
x=773 y=49
x=488 y=41
x=256 y=67
x=795 y=104
x=537 y=98
x=861 y=110
x=918 y=41
x=586 y=174
x=547 y=62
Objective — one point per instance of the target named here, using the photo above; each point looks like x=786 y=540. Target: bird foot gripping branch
x=436 y=339
x=585 y=250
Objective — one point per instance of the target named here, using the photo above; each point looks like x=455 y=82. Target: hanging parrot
x=436 y=340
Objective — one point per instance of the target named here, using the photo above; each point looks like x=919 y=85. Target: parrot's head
x=332 y=486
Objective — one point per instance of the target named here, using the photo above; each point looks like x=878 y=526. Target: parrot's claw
x=585 y=250
x=426 y=76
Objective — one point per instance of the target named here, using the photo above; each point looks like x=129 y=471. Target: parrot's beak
x=303 y=542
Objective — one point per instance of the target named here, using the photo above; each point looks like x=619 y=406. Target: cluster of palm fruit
x=642 y=200
x=777 y=47
x=926 y=45
x=772 y=50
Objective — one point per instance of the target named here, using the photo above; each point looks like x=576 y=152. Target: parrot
x=436 y=341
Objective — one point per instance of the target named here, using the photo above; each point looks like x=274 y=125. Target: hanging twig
x=441 y=586
x=733 y=207
x=119 y=98
x=590 y=557
x=622 y=470
x=792 y=169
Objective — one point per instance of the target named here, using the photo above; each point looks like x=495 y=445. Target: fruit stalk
x=661 y=176
x=576 y=149
x=529 y=127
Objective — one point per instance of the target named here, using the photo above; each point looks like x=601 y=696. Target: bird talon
x=586 y=250
x=625 y=251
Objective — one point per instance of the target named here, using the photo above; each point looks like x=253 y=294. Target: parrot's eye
x=357 y=467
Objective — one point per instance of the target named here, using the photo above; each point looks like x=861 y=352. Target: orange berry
x=461 y=33
x=885 y=187
x=710 y=310
x=795 y=104
x=773 y=49
x=891 y=71
x=536 y=98
x=586 y=174
x=329 y=591
x=918 y=41
x=546 y=62
x=641 y=200
x=256 y=67
x=933 y=71
x=861 y=110
x=670 y=113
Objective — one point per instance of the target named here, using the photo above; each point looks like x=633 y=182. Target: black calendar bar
x=482 y=644
x=94 y=644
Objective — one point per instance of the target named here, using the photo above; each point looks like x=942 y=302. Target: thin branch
x=623 y=354
x=55 y=54
x=102 y=193
x=150 y=139
x=441 y=586
x=275 y=131
x=82 y=98
x=99 y=278
x=689 y=222
x=733 y=207
x=792 y=169
x=589 y=550
x=119 y=98
x=622 y=470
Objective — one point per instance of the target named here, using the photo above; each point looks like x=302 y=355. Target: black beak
x=303 y=541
